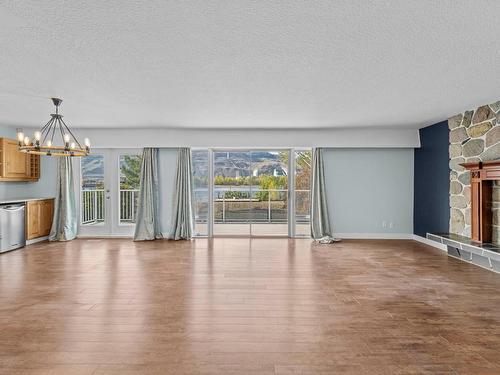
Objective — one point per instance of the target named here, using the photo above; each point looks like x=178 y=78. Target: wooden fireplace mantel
x=482 y=175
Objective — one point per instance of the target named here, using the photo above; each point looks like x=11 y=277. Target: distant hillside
x=239 y=164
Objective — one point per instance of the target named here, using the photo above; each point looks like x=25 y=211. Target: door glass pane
x=92 y=182
x=130 y=171
x=269 y=193
x=232 y=210
x=302 y=176
x=201 y=182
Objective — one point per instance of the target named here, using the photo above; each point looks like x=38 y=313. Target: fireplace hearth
x=481 y=254
x=483 y=248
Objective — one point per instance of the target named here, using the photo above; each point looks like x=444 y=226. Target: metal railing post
x=95 y=206
x=224 y=207
x=268 y=206
x=132 y=204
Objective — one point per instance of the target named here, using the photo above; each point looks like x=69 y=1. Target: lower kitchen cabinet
x=39 y=215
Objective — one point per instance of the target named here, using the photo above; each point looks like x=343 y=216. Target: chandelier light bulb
x=49 y=143
x=66 y=137
x=86 y=142
x=26 y=141
x=20 y=136
x=72 y=146
x=37 y=135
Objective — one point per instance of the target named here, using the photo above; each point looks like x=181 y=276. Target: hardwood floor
x=241 y=306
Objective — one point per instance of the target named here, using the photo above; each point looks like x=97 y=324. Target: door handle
x=13 y=209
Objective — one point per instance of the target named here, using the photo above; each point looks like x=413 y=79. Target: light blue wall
x=44 y=187
x=368 y=186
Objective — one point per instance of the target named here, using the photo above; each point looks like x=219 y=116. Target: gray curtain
x=64 y=224
x=321 y=229
x=147 y=225
x=182 y=222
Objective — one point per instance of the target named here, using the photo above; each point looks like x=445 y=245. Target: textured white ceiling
x=247 y=64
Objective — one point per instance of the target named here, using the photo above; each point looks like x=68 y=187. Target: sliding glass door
x=109 y=190
x=232 y=192
x=269 y=203
x=202 y=188
x=251 y=192
x=302 y=161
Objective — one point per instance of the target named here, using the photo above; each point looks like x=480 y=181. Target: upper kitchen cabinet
x=16 y=165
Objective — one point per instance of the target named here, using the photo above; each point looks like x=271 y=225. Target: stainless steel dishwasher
x=12 y=235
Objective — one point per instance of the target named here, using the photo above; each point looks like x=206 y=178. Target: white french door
x=108 y=192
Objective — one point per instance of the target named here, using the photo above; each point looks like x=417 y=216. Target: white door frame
x=95 y=230
x=120 y=229
x=111 y=226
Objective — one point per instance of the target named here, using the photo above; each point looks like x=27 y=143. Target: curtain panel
x=321 y=229
x=182 y=222
x=147 y=225
x=65 y=222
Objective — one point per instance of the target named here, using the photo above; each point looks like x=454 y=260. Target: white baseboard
x=426 y=241
x=347 y=236
x=103 y=237
x=374 y=236
x=36 y=240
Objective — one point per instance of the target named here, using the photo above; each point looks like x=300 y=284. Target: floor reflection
x=235 y=305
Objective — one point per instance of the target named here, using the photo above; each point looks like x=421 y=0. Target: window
x=201 y=191
x=303 y=161
x=130 y=171
x=92 y=180
x=250 y=192
x=269 y=201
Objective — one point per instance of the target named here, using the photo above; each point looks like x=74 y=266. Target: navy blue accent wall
x=431 y=210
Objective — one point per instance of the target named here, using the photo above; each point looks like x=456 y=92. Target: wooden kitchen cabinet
x=47 y=213
x=16 y=165
x=39 y=215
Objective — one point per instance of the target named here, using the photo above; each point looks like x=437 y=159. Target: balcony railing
x=93 y=206
x=263 y=206
x=259 y=206
x=128 y=205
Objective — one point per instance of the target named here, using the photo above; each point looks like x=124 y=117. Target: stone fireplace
x=474 y=138
x=474 y=150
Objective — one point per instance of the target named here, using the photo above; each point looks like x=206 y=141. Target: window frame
x=291 y=194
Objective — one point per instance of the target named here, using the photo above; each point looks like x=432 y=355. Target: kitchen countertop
x=18 y=200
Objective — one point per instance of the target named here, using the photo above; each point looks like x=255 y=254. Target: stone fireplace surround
x=474 y=136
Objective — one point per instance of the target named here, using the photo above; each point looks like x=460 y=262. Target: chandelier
x=43 y=142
